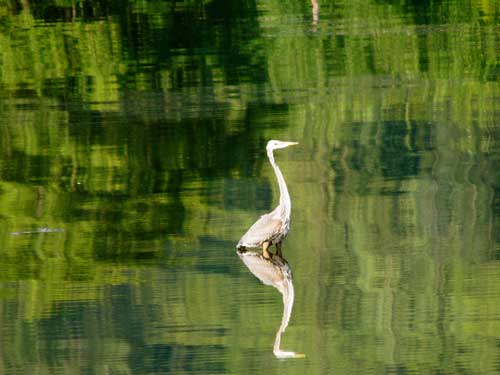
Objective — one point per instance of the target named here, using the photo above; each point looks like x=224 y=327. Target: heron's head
x=273 y=144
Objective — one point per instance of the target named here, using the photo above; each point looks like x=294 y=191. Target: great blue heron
x=271 y=228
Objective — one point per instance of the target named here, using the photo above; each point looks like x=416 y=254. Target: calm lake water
x=132 y=159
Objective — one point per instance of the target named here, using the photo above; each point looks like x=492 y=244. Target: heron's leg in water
x=266 y=253
x=278 y=249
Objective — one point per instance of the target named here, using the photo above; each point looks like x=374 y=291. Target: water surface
x=132 y=159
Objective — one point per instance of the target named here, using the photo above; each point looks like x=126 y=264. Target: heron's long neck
x=284 y=196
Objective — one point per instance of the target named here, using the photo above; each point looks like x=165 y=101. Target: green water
x=132 y=159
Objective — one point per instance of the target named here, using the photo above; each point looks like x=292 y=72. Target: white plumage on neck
x=285 y=203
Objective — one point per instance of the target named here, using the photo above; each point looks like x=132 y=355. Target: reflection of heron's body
x=271 y=228
x=275 y=272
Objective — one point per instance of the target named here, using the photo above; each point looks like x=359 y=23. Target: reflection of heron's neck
x=284 y=196
x=288 y=297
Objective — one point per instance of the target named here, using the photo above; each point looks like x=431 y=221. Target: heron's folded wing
x=264 y=229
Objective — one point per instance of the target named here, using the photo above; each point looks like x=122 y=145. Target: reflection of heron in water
x=277 y=273
x=271 y=228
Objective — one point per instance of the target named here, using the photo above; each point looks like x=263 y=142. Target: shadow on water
x=275 y=272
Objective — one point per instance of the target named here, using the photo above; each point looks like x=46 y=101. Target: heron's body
x=269 y=228
x=273 y=227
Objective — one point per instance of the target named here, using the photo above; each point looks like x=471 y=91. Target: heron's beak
x=291 y=143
